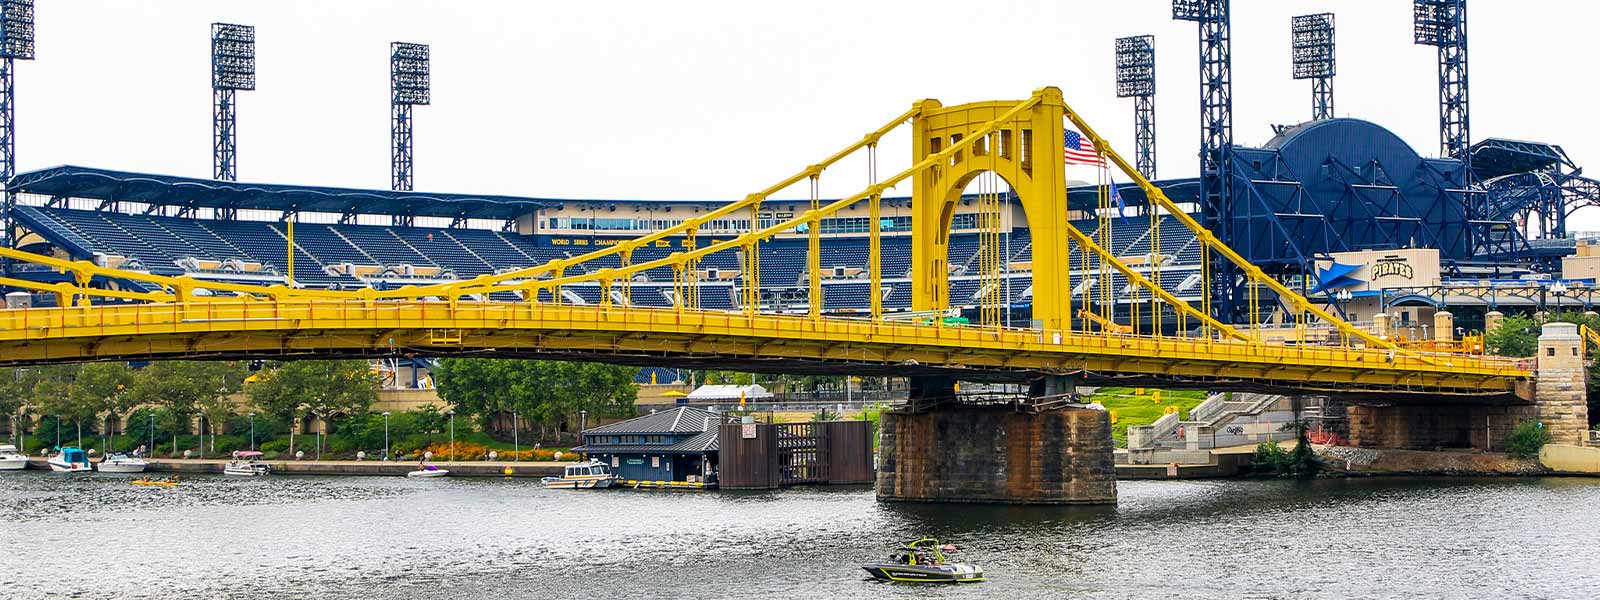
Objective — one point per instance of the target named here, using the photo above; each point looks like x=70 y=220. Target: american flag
x=1077 y=150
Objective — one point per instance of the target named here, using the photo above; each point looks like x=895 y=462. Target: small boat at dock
x=246 y=463
x=583 y=476
x=429 y=471
x=119 y=462
x=923 y=561
x=70 y=460
x=11 y=459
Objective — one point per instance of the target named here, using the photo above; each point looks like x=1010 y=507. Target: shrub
x=1269 y=457
x=274 y=446
x=1527 y=439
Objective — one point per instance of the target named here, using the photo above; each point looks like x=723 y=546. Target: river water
x=323 y=537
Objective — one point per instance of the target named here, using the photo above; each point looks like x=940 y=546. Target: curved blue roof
x=168 y=190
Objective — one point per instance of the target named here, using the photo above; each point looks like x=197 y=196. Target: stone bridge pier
x=945 y=451
x=1559 y=401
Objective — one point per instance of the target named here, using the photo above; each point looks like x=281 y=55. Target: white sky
x=716 y=99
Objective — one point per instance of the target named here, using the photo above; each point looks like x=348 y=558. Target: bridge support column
x=996 y=454
x=1561 y=392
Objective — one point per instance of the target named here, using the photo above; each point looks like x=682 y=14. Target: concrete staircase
x=1222 y=421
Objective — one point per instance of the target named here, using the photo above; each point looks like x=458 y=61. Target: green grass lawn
x=1132 y=408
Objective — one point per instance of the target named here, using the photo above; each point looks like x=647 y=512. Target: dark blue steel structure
x=1345 y=184
x=16 y=43
x=233 y=68
x=1216 y=141
x=1313 y=59
x=1534 y=184
x=1443 y=24
x=1136 y=78
x=408 y=86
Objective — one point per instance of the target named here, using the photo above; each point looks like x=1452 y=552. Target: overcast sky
x=713 y=100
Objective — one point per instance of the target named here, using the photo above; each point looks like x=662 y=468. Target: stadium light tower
x=1443 y=24
x=1136 y=78
x=1313 y=59
x=1216 y=137
x=16 y=43
x=408 y=87
x=233 y=68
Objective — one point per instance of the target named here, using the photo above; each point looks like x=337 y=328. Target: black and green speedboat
x=923 y=561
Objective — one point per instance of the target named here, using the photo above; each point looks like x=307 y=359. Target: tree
x=54 y=392
x=186 y=388
x=324 y=388
x=1517 y=335
x=546 y=393
x=102 y=386
x=16 y=391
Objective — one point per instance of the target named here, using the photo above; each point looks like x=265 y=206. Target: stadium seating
x=166 y=245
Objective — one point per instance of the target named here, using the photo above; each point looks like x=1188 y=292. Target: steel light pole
x=516 y=440
x=386 y=435
x=252 y=432
x=452 y=414
x=1560 y=290
x=152 y=427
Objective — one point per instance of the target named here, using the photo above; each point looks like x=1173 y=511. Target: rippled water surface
x=281 y=536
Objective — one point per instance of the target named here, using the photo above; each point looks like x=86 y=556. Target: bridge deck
x=762 y=342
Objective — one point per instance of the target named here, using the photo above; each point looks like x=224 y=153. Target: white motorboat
x=583 y=476
x=246 y=463
x=10 y=459
x=429 y=471
x=70 y=460
x=119 y=462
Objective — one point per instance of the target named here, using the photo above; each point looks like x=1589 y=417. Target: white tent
x=729 y=393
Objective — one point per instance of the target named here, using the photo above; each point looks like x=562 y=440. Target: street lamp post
x=583 y=424
x=452 y=414
x=386 y=435
x=516 y=440
x=151 y=420
x=252 y=432
x=1560 y=290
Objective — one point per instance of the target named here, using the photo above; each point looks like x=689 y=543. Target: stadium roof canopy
x=167 y=190
x=70 y=181
x=1494 y=157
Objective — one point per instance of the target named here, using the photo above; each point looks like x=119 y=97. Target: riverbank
x=351 y=467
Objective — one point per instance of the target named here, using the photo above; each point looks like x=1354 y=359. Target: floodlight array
x=1136 y=66
x=1189 y=10
x=1313 y=46
x=16 y=29
x=408 y=73
x=1434 y=21
x=233 y=57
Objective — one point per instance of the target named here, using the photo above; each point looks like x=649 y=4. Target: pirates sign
x=1391 y=267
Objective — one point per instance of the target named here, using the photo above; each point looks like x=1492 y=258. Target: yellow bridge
x=1016 y=141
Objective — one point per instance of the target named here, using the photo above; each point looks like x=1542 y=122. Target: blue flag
x=1121 y=208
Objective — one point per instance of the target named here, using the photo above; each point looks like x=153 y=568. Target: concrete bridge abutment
x=1559 y=403
x=997 y=454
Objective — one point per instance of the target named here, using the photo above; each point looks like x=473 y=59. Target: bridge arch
x=1026 y=153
